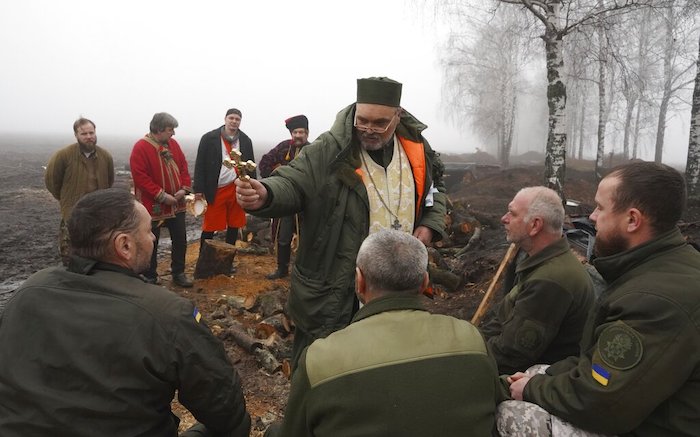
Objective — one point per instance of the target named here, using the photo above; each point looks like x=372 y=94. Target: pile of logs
x=264 y=338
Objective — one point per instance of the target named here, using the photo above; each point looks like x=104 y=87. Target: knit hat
x=379 y=91
x=296 y=122
x=234 y=111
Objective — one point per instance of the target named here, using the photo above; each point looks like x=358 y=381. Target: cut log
x=271 y=302
x=257 y=231
x=443 y=277
x=267 y=360
x=473 y=240
x=278 y=323
x=242 y=338
x=215 y=258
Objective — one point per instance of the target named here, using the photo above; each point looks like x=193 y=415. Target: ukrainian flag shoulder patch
x=197 y=315
x=600 y=374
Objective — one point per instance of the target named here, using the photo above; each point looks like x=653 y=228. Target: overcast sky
x=120 y=62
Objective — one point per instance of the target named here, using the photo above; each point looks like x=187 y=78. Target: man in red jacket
x=161 y=181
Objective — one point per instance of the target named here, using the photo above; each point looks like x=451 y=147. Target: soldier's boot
x=284 y=254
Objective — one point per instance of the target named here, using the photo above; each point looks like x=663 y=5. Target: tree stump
x=215 y=258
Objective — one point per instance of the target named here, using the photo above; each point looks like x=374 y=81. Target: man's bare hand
x=518 y=382
x=424 y=234
x=250 y=194
x=180 y=194
x=169 y=199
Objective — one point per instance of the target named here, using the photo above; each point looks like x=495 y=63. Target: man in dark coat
x=372 y=170
x=638 y=373
x=540 y=320
x=282 y=154
x=94 y=350
x=214 y=181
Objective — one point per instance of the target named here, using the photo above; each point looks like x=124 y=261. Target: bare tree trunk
x=661 y=128
x=642 y=62
x=555 y=158
x=508 y=144
x=635 y=143
x=582 y=122
x=572 y=107
x=602 y=103
x=668 y=78
x=692 y=166
x=631 y=103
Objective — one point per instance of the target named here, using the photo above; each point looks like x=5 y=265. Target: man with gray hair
x=541 y=318
x=396 y=367
x=638 y=373
x=161 y=181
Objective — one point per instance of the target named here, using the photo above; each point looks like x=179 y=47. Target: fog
x=118 y=63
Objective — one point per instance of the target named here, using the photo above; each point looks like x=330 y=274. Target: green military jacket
x=322 y=183
x=541 y=319
x=93 y=350
x=397 y=370
x=639 y=370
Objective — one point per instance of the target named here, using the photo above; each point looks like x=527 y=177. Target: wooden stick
x=488 y=296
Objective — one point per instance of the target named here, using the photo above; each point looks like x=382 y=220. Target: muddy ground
x=30 y=219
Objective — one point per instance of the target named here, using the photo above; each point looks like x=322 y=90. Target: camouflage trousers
x=64 y=242
x=524 y=419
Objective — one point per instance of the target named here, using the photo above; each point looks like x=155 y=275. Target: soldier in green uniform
x=396 y=370
x=541 y=318
x=94 y=350
x=639 y=368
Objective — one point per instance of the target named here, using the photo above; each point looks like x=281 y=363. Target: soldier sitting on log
x=549 y=295
x=94 y=350
x=396 y=370
x=638 y=373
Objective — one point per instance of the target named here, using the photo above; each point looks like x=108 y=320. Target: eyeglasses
x=374 y=130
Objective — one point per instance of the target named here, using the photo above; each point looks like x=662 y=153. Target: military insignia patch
x=620 y=347
x=600 y=374
x=529 y=337
x=197 y=315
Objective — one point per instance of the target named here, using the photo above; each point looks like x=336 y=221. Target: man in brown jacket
x=75 y=170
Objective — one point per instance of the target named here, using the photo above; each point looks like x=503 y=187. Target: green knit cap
x=379 y=91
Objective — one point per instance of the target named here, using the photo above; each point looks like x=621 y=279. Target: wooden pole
x=488 y=296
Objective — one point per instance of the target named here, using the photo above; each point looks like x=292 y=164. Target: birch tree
x=692 y=167
x=579 y=78
x=559 y=18
x=482 y=77
x=676 y=65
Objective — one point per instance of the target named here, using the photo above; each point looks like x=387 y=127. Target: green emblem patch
x=529 y=337
x=620 y=346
